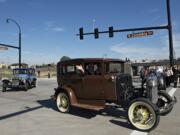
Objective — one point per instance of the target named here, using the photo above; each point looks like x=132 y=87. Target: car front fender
x=70 y=93
x=5 y=80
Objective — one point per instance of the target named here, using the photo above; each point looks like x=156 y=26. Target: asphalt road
x=34 y=113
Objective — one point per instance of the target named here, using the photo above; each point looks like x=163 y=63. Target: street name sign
x=3 y=48
x=140 y=34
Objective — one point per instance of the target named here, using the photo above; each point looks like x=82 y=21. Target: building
x=16 y=65
x=3 y=66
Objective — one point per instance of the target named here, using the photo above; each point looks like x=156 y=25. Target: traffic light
x=111 y=32
x=81 y=33
x=96 y=33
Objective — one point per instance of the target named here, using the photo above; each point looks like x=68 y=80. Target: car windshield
x=21 y=71
x=114 y=67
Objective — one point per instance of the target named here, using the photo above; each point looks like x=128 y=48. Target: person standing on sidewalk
x=178 y=75
x=175 y=76
x=167 y=77
x=39 y=73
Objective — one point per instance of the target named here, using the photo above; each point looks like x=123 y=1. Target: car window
x=114 y=67
x=93 y=68
x=70 y=68
x=21 y=71
x=31 y=71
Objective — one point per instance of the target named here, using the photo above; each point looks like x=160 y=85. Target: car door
x=73 y=80
x=109 y=86
x=92 y=82
x=111 y=69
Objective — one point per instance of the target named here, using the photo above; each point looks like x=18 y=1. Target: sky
x=49 y=29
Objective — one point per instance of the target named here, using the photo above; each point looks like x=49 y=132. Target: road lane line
x=135 y=132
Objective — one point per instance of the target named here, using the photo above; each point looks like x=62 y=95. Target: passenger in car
x=98 y=69
x=79 y=69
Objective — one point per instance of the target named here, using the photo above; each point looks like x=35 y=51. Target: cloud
x=37 y=54
x=27 y=52
x=154 y=10
x=50 y=26
x=2 y=1
x=136 y=52
x=57 y=29
x=176 y=43
x=35 y=4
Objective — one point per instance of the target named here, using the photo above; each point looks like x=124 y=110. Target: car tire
x=143 y=115
x=163 y=100
x=34 y=83
x=4 y=88
x=27 y=86
x=63 y=102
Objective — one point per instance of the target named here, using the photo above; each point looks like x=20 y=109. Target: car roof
x=82 y=60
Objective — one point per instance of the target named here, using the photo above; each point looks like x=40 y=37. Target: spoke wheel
x=63 y=103
x=142 y=115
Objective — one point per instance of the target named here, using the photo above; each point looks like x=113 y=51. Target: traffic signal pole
x=120 y=30
x=171 y=54
x=111 y=32
x=14 y=47
x=10 y=46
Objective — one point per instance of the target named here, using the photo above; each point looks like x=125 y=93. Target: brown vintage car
x=90 y=83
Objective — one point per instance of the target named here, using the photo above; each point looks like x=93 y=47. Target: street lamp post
x=11 y=20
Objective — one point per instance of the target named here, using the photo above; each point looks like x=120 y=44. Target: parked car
x=24 y=78
x=91 y=83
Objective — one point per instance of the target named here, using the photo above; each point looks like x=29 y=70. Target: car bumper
x=16 y=86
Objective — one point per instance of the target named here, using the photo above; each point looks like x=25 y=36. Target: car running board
x=90 y=107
